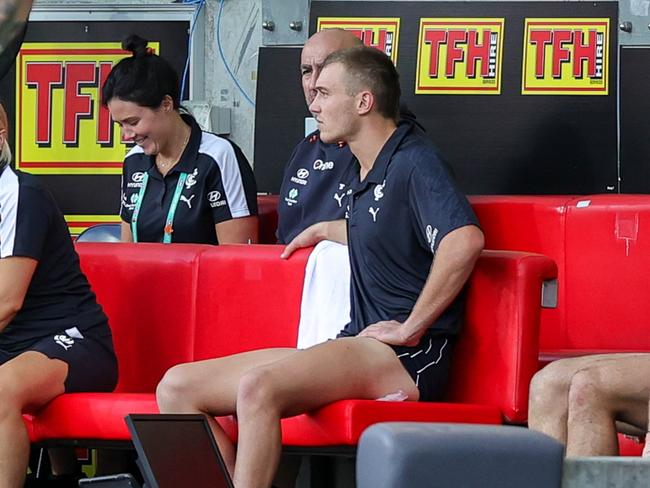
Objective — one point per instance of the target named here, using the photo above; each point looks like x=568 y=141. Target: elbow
x=476 y=241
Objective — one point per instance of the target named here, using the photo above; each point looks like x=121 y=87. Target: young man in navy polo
x=316 y=179
x=413 y=243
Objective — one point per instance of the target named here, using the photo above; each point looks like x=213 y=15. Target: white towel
x=325 y=307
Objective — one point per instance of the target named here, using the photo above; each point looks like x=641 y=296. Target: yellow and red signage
x=460 y=56
x=566 y=57
x=61 y=125
x=382 y=33
x=79 y=223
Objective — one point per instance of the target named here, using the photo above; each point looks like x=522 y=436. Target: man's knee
x=549 y=383
x=173 y=388
x=587 y=391
x=257 y=391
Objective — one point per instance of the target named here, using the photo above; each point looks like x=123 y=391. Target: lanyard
x=167 y=237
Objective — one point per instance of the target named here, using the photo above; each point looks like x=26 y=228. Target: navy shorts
x=428 y=364
x=92 y=365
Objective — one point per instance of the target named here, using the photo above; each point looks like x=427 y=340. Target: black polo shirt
x=397 y=217
x=314 y=186
x=220 y=187
x=316 y=182
x=59 y=296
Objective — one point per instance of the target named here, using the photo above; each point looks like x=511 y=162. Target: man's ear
x=365 y=102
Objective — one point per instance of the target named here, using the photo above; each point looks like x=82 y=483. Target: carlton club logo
x=61 y=126
x=566 y=57
x=381 y=33
x=459 y=56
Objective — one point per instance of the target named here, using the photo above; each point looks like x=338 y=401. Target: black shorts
x=92 y=365
x=428 y=364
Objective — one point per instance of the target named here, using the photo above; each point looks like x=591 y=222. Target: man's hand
x=390 y=332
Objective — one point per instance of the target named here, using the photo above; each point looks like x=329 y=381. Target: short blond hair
x=5 y=151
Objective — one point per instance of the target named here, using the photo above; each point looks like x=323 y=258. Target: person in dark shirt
x=413 y=242
x=54 y=337
x=317 y=175
x=179 y=183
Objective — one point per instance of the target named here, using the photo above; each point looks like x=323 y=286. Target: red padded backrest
x=267 y=208
x=608 y=258
x=148 y=292
x=536 y=224
x=247 y=298
x=496 y=355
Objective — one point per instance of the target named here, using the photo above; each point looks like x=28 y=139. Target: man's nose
x=313 y=106
x=311 y=82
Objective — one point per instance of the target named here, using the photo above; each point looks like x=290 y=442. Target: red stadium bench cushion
x=171 y=304
x=148 y=291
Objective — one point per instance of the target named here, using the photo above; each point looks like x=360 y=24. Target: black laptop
x=177 y=450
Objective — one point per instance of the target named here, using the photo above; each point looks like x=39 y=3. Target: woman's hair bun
x=135 y=44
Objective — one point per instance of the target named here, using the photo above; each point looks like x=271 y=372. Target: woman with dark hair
x=54 y=337
x=179 y=183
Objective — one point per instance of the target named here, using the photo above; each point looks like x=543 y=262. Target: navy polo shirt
x=220 y=186
x=59 y=296
x=397 y=217
x=314 y=186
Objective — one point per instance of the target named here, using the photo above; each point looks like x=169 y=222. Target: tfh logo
x=45 y=77
x=576 y=48
x=460 y=56
x=566 y=56
x=381 y=39
x=462 y=46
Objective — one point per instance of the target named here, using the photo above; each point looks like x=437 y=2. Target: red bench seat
x=170 y=304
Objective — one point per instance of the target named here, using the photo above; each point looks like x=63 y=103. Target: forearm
x=125 y=232
x=242 y=230
x=335 y=230
x=7 y=314
x=452 y=266
x=15 y=276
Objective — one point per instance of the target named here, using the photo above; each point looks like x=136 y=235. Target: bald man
x=317 y=175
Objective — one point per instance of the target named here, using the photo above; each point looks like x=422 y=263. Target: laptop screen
x=177 y=450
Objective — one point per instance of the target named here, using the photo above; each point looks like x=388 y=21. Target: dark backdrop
x=497 y=144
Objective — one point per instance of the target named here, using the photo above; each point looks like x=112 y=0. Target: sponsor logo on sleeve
x=215 y=200
x=301 y=177
x=136 y=180
x=291 y=197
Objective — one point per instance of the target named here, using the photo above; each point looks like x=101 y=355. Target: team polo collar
x=377 y=174
x=188 y=158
